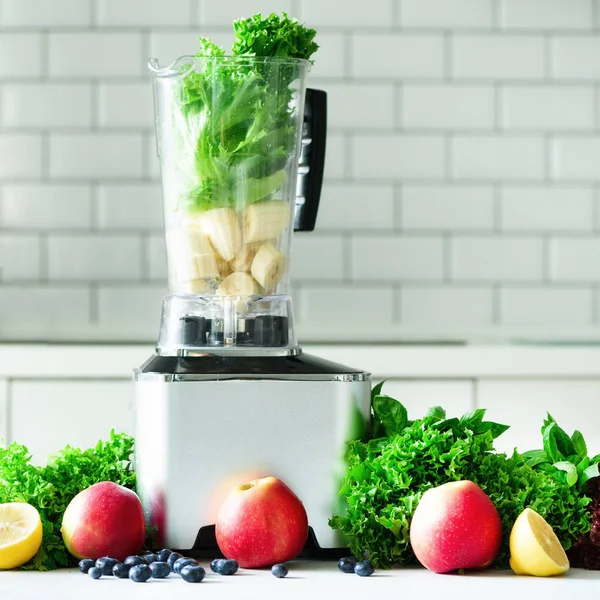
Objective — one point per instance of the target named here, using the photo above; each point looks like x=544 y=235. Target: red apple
x=261 y=523
x=455 y=526
x=105 y=519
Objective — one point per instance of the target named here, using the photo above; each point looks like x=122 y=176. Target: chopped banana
x=222 y=227
x=238 y=284
x=268 y=266
x=191 y=255
x=265 y=220
x=243 y=259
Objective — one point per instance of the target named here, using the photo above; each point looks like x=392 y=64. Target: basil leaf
x=579 y=444
x=549 y=442
x=472 y=419
x=570 y=469
x=376 y=391
x=436 y=412
x=589 y=473
x=390 y=413
x=535 y=457
x=563 y=442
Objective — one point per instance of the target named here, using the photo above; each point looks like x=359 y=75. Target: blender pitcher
x=241 y=162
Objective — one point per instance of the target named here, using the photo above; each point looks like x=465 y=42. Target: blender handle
x=312 y=160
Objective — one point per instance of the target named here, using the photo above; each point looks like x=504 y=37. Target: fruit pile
x=221 y=252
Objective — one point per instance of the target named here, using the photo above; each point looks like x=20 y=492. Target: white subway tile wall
x=461 y=183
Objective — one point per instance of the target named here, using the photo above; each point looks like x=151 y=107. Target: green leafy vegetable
x=50 y=488
x=234 y=117
x=387 y=477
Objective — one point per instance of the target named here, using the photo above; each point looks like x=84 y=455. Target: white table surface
x=306 y=580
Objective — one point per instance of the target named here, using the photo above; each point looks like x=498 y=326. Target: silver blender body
x=229 y=395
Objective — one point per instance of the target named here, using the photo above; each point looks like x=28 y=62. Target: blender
x=229 y=396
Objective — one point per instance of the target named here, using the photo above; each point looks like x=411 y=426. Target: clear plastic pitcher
x=229 y=137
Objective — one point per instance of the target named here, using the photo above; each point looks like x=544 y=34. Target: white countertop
x=305 y=580
x=418 y=361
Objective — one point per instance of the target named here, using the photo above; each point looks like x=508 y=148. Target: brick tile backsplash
x=143 y=12
x=495 y=157
x=46 y=105
x=395 y=55
x=447 y=208
x=91 y=55
x=398 y=156
x=96 y=155
x=105 y=257
x=462 y=177
x=44 y=14
x=546 y=14
x=20 y=55
x=450 y=13
x=476 y=258
x=45 y=206
x=453 y=107
x=485 y=56
x=385 y=258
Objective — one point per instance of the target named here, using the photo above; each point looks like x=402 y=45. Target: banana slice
x=265 y=220
x=243 y=259
x=191 y=255
x=222 y=227
x=268 y=266
x=238 y=284
x=224 y=267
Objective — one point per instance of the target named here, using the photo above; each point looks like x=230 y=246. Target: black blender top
x=301 y=364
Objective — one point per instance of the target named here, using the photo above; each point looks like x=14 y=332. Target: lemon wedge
x=20 y=534
x=534 y=547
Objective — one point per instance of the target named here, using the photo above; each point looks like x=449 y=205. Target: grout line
x=43 y=257
x=94 y=306
x=595 y=297
x=147 y=142
x=447 y=257
x=497 y=208
x=448 y=162
x=448 y=56
x=548 y=145
x=45 y=152
x=95 y=104
x=295 y=9
x=498 y=107
x=348 y=157
x=398 y=103
x=397 y=14
x=496 y=14
x=93 y=14
x=397 y=303
x=94 y=206
x=346 y=257
x=397 y=207
x=548 y=58
x=596 y=209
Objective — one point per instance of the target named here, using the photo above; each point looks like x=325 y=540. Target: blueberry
x=121 y=570
x=183 y=562
x=214 y=564
x=106 y=563
x=163 y=555
x=86 y=564
x=173 y=557
x=279 y=570
x=134 y=560
x=159 y=569
x=140 y=573
x=364 y=568
x=150 y=557
x=227 y=567
x=347 y=564
x=193 y=573
x=95 y=572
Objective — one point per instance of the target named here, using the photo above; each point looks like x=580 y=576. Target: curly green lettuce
x=50 y=488
x=386 y=478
